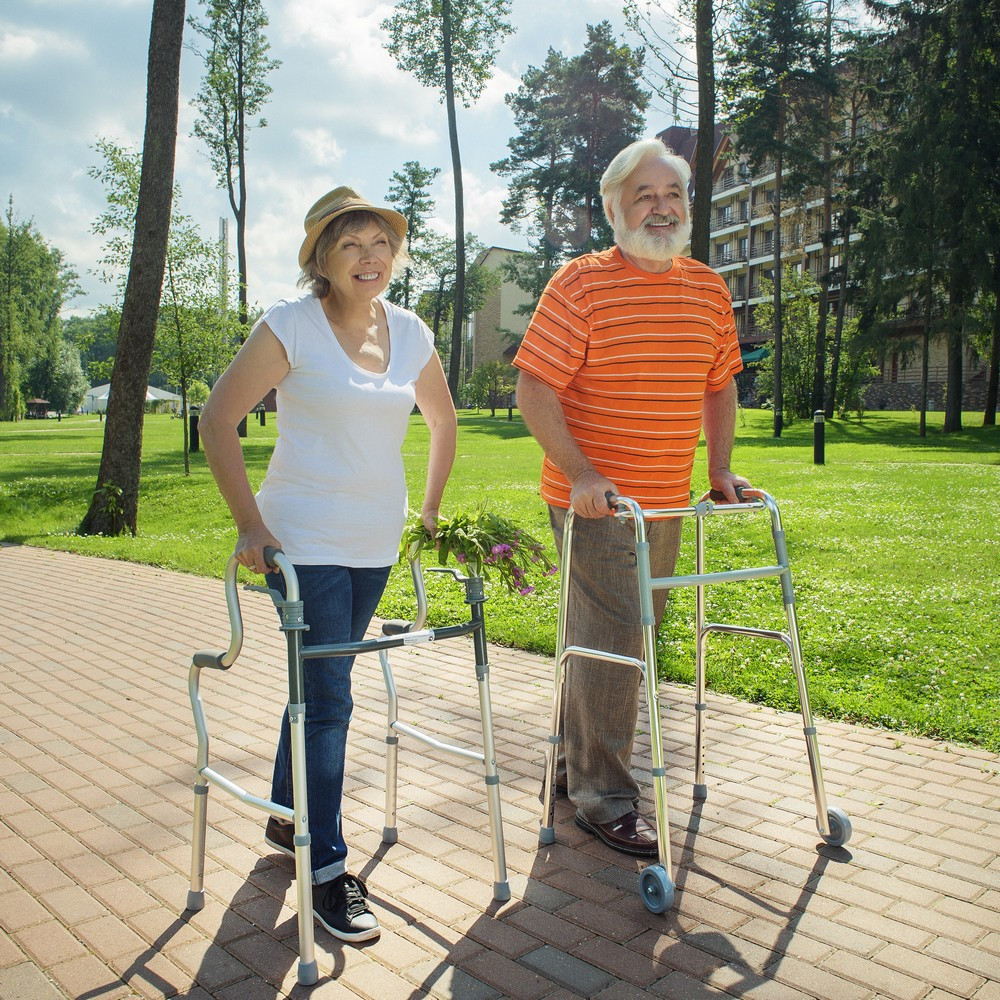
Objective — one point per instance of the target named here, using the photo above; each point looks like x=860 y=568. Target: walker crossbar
x=656 y=882
x=292 y=624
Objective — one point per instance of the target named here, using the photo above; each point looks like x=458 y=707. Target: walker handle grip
x=719 y=497
x=612 y=499
x=270 y=551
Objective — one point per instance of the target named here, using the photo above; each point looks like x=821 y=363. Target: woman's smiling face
x=359 y=264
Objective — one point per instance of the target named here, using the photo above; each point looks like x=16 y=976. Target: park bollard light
x=819 y=437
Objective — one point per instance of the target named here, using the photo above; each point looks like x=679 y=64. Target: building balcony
x=723 y=258
x=736 y=217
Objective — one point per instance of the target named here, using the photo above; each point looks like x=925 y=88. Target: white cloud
x=23 y=45
x=319 y=145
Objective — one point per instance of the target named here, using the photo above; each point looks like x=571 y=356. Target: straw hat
x=337 y=202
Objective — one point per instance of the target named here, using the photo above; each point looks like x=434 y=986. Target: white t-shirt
x=335 y=490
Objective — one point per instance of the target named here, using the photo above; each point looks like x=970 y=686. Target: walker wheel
x=656 y=889
x=840 y=827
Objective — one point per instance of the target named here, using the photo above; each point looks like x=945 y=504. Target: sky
x=73 y=71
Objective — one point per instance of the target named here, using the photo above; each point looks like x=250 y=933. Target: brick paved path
x=96 y=752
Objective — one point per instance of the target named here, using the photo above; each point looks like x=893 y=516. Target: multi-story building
x=742 y=251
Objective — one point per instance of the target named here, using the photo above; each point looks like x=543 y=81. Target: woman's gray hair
x=621 y=168
x=350 y=222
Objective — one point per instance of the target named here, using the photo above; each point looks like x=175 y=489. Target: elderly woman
x=348 y=367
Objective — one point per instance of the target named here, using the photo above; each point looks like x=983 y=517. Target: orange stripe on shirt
x=631 y=356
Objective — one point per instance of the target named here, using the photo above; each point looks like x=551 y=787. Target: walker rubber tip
x=389 y=835
x=700 y=793
x=195 y=900
x=501 y=891
x=547 y=835
x=308 y=973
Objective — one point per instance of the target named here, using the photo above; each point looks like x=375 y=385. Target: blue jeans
x=338 y=603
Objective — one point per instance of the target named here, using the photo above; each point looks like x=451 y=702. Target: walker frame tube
x=656 y=882
x=396 y=634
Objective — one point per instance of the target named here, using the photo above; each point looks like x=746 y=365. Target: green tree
x=662 y=34
x=233 y=92
x=115 y=504
x=573 y=116
x=60 y=380
x=436 y=305
x=799 y=293
x=409 y=193
x=197 y=330
x=35 y=282
x=931 y=194
x=450 y=45
x=491 y=384
x=774 y=79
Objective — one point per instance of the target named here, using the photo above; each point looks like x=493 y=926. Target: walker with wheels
x=395 y=634
x=656 y=884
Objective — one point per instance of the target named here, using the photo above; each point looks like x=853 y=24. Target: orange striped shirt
x=631 y=356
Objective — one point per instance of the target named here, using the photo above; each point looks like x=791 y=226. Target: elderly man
x=630 y=353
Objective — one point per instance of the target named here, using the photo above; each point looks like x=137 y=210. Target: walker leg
x=307 y=970
x=196 y=894
x=389 y=831
x=547 y=832
x=833 y=824
x=700 y=790
x=501 y=887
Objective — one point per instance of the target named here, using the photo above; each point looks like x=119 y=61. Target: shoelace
x=355 y=892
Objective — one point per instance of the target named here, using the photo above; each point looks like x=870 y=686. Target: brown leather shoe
x=630 y=834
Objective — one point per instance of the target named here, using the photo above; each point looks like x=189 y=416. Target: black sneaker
x=341 y=908
x=280 y=835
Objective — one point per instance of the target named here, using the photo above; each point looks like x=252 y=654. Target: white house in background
x=96 y=399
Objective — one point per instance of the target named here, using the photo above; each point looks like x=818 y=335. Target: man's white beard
x=647 y=245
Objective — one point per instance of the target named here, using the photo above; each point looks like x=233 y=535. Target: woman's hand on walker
x=250 y=547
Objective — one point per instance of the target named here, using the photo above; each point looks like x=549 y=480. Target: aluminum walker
x=656 y=885
x=395 y=634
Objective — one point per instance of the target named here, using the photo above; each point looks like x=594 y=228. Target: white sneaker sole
x=369 y=934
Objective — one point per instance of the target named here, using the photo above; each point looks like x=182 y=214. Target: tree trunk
x=458 y=317
x=990 y=413
x=819 y=373
x=925 y=346
x=114 y=507
x=701 y=223
x=776 y=277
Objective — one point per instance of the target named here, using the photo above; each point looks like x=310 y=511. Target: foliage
x=35 y=281
x=800 y=315
x=409 y=194
x=798 y=361
x=775 y=78
x=196 y=331
x=931 y=76
x=573 y=115
x=895 y=632
x=477 y=30
x=450 y=45
x=436 y=305
x=485 y=544
x=491 y=384
x=59 y=379
x=233 y=92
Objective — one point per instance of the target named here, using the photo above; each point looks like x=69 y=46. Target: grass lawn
x=894 y=545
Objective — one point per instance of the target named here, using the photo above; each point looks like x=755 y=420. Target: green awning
x=756 y=354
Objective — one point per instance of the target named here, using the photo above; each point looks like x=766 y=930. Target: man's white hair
x=621 y=168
